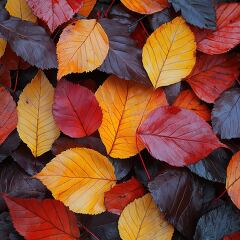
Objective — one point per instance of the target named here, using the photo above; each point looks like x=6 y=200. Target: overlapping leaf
x=3 y=44
x=36 y=125
x=79 y=177
x=169 y=53
x=87 y=7
x=233 y=236
x=76 y=110
x=125 y=104
x=46 y=219
x=82 y=47
x=184 y=137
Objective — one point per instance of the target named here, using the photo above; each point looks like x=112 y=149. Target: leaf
x=36 y=126
x=76 y=110
x=162 y=51
x=125 y=104
x=29 y=41
x=78 y=52
x=46 y=219
x=180 y=196
x=218 y=223
x=87 y=7
x=148 y=223
x=233 y=179
x=20 y=9
x=212 y=75
x=200 y=13
x=188 y=100
x=226 y=114
x=145 y=6
x=233 y=236
x=53 y=12
x=3 y=44
x=117 y=198
x=213 y=167
x=184 y=137
x=227 y=34
x=84 y=174
x=8 y=114
x=172 y=91
x=124 y=58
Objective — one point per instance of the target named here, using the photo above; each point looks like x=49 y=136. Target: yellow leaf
x=87 y=7
x=125 y=104
x=79 y=177
x=142 y=220
x=145 y=6
x=36 y=126
x=82 y=47
x=3 y=44
x=20 y=9
x=169 y=53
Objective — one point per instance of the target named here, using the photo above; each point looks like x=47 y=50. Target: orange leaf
x=87 y=7
x=125 y=104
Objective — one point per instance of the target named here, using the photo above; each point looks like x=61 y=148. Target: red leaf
x=212 y=75
x=227 y=34
x=177 y=136
x=76 y=110
x=42 y=219
x=233 y=236
x=8 y=114
x=55 y=12
x=122 y=194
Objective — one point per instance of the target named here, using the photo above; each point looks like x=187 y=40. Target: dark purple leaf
x=172 y=91
x=233 y=144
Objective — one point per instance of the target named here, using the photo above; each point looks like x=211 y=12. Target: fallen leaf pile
x=119 y=119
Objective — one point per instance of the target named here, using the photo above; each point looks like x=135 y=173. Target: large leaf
x=187 y=99
x=36 y=126
x=46 y=219
x=53 y=12
x=20 y=9
x=212 y=75
x=117 y=198
x=78 y=52
x=87 y=7
x=226 y=114
x=181 y=197
x=227 y=34
x=184 y=138
x=124 y=58
x=29 y=41
x=169 y=53
x=125 y=104
x=233 y=179
x=218 y=223
x=76 y=110
x=146 y=6
x=81 y=180
x=200 y=13
x=147 y=221
x=8 y=114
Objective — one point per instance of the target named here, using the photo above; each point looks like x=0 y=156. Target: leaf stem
x=87 y=230
x=109 y=8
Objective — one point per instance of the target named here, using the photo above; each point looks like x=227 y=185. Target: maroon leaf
x=76 y=110
x=177 y=136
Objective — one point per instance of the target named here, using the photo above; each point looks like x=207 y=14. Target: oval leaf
x=125 y=104
x=78 y=52
x=147 y=221
x=169 y=53
x=184 y=137
x=76 y=110
x=81 y=180
x=36 y=126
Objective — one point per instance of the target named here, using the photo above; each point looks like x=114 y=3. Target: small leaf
x=76 y=110
x=147 y=221
x=184 y=137
x=87 y=7
x=78 y=52
x=169 y=53
x=233 y=179
x=81 y=180
x=8 y=114
x=46 y=219
x=36 y=126
x=117 y=198
x=3 y=44
x=125 y=104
